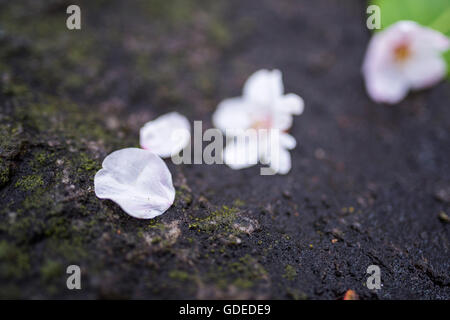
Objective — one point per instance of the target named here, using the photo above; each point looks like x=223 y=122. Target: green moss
x=244 y=273
x=10 y=292
x=14 y=262
x=179 y=275
x=15 y=89
x=296 y=294
x=238 y=203
x=70 y=58
x=184 y=195
x=289 y=273
x=30 y=182
x=157 y=225
x=156 y=240
x=221 y=219
x=41 y=199
x=51 y=269
x=11 y=140
x=87 y=164
x=176 y=13
x=219 y=34
x=22 y=229
x=71 y=249
x=243 y=283
x=43 y=157
x=59 y=117
x=57 y=227
x=41 y=116
x=4 y=172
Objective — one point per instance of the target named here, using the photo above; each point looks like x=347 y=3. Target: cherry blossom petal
x=287 y=141
x=282 y=121
x=232 y=114
x=423 y=72
x=290 y=103
x=388 y=79
x=263 y=87
x=283 y=166
x=384 y=83
x=167 y=135
x=387 y=86
x=279 y=160
x=138 y=181
x=430 y=39
x=273 y=150
x=241 y=153
x=263 y=108
x=426 y=66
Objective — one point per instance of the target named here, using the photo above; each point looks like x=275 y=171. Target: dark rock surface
x=369 y=183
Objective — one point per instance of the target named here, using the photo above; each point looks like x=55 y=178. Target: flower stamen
x=264 y=123
x=402 y=52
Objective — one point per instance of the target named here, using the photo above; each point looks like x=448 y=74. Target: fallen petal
x=263 y=86
x=241 y=153
x=426 y=72
x=138 y=181
x=290 y=103
x=287 y=141
x=167 y=135
x=405 y=56
x=232 y=114
x=281 y=162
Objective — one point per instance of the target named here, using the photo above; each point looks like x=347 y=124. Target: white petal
x=263 y=87
x=282 y=120
x=232 y=114
x=273 y=151
x=287 y=141
x=384 y=81
x=290 y=103
x=138 y=181
x=426 y=66
x=283 y=166
x=279 y=160
x=388 y=80
x=423 y=72
x=430 y=39
x=241 y=153
x=167 y=135
x=387 y=86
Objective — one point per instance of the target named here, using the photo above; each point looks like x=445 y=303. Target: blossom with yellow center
x=256 y=123
x=405 y=56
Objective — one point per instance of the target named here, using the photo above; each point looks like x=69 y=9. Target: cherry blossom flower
x=167 y=135
x=263 y=107
x=138 y=181
x=405 y=56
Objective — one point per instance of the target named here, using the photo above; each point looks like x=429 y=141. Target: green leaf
x=447 y=58
x=431 y=13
